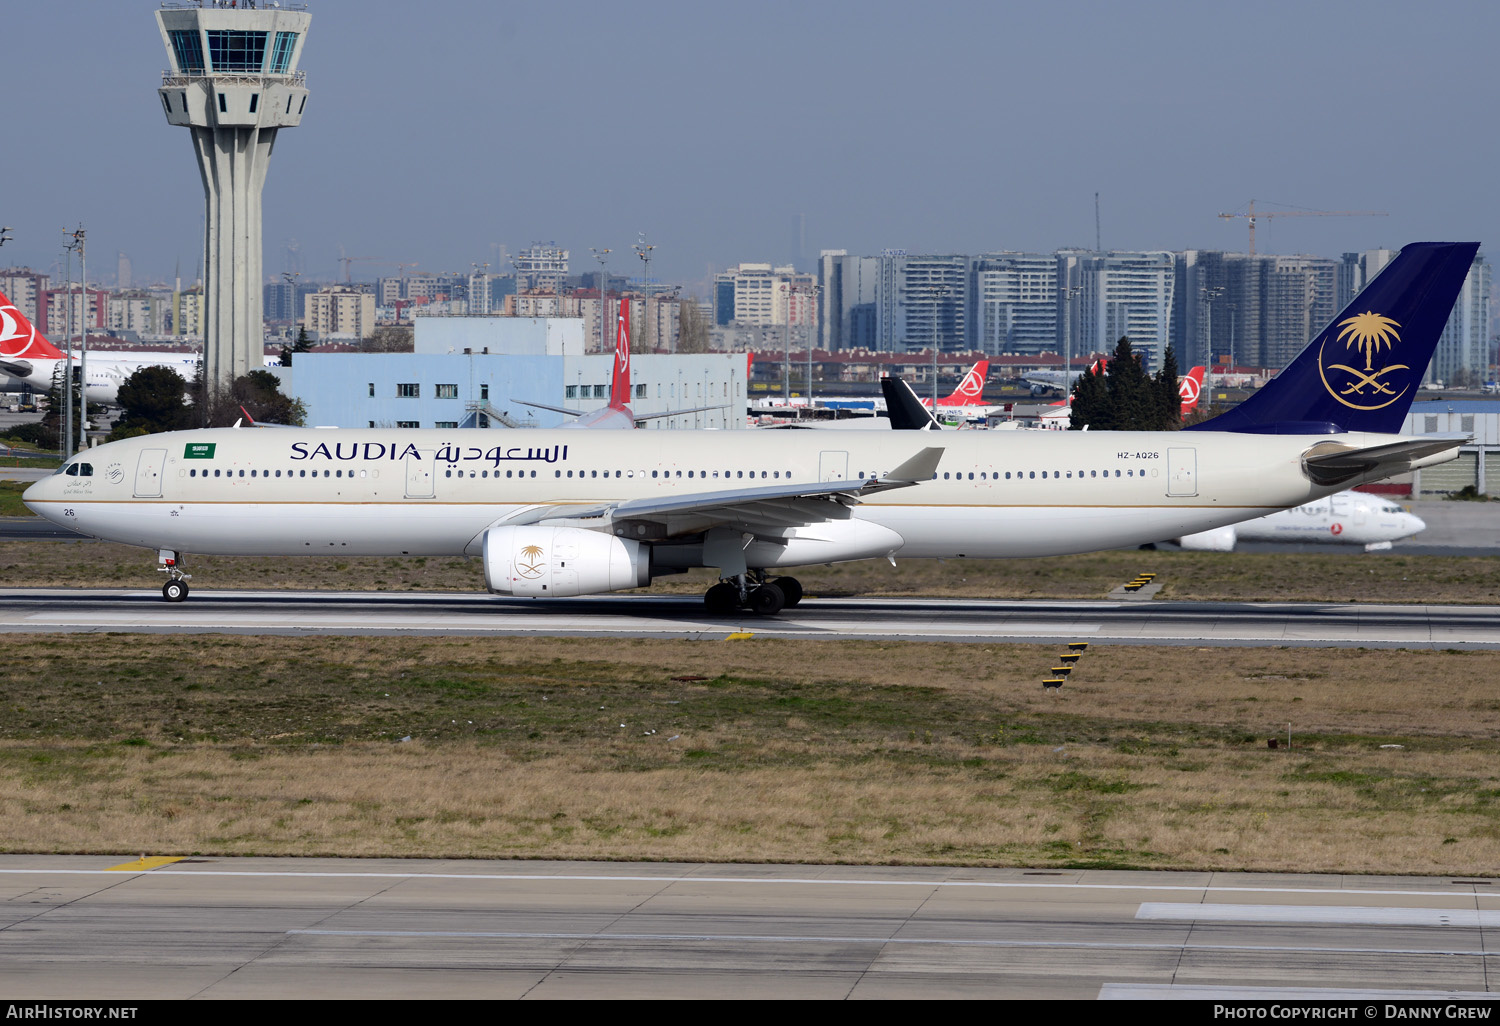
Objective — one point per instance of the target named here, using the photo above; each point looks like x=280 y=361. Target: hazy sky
x=436 y=131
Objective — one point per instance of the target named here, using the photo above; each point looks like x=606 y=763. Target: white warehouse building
x=479 y=371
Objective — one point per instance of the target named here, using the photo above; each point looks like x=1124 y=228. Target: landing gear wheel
x=722 y=598
x=791 y=588
x=767 y=600
x=174 y=591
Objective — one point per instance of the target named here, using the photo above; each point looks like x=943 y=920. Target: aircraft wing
x=639 y=417
x=554 y=409
x=760 y=509
x=1337 y=463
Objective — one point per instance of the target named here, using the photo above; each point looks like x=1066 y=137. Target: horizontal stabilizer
x=1334 y=463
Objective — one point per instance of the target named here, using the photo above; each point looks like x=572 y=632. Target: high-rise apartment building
x=1015 y=303
x=24 y=287
x=1106 y=296
x=760 y=295
x=340 y=313
x=541 y=266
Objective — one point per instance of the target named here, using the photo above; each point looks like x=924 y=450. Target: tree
x=152 y=399
x=1168 y=398
x=259 y=394
x=302 y=345
x=390 y=338
x=1125 y=398
x=1090 y=403
x=692 y=327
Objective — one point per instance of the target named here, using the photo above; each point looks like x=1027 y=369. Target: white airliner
x=1042 y=381
x=1347 y=518
x=28 y=359
x=617 y=416
x=561 y=513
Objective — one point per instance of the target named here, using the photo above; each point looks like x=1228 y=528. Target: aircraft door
x=420 y=476
x=833 y=466
x=1182 y=471
x=148 y=473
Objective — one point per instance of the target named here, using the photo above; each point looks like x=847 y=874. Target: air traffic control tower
x=234 y=82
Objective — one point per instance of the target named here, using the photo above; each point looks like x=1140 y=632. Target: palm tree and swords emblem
x=530 y=562
x=1368 y=332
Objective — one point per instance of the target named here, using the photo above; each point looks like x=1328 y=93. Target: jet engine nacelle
x=562 y=561
x=1220 y=539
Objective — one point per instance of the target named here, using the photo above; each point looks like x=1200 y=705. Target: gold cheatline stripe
x=577 y=502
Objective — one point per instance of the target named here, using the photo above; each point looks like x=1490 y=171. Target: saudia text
x=495 y=455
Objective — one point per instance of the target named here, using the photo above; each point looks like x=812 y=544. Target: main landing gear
x=176 y=589
x=753 y=591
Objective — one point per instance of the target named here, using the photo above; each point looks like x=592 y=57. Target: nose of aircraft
x=38 y=493
x=1414 y=524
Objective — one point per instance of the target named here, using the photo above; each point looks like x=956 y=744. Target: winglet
x=920 y=467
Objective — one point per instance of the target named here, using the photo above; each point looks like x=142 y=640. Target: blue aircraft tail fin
x=1362 y=371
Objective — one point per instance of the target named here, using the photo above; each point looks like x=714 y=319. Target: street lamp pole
x=643 y=250
x=1210 y=293
x=938 y=293
x=601 y=255
x=81 y=238
x=67 y=381
x=1073 y=292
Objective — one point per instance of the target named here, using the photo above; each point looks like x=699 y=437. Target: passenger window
x=192 y=473
x=242 y=473
x=1033 y=475
x=1044 y=475
x=507 y=473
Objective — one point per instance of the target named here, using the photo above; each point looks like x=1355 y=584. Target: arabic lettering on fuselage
x=495 y=455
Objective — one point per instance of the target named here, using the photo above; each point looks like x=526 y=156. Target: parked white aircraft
x=1042 y=381
x=1345 y=518
x=561 y=513
x=28 y=359
x=617 y=416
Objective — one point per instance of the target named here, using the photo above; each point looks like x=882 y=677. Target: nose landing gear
x=753 y=591
x=176 y=589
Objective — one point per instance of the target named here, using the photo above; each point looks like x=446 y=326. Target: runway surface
x=103 y=927
x=1123 y=622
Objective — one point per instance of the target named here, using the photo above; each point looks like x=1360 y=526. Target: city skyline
x=958 y=129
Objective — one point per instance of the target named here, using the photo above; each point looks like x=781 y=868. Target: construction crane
x=1253 y=214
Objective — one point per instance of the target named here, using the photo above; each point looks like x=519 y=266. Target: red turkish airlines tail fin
x=619 y=385
x=19 y=339
x=1190 y=386
x=970 y=391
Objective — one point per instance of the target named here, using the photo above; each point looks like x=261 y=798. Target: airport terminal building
x=478 y=371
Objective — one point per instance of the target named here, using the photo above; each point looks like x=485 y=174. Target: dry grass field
x=1229 y=576
x=755 y=750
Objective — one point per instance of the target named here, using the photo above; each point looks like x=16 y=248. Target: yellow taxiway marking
x=739 y=636
x=143 y=863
